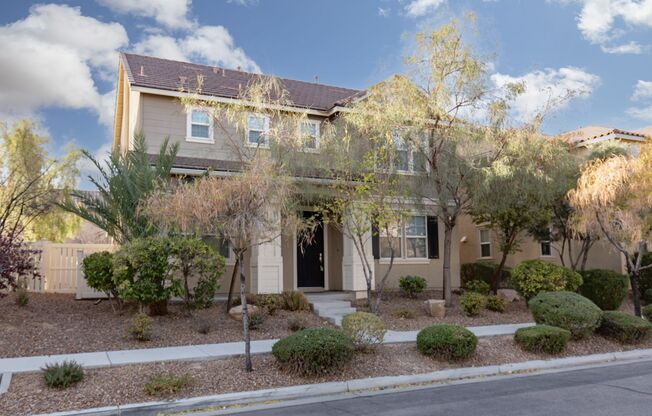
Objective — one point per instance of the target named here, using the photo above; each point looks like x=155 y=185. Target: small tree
x=126 y=179
x=16 y=262
x=613 y=197
x=517 y=190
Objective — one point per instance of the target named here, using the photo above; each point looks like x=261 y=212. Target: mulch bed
x=393 y=302
x=58 y=324
x=121 y=385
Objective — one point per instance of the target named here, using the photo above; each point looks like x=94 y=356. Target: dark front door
x=310 y=258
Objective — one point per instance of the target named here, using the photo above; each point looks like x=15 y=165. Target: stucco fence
x=60 y=271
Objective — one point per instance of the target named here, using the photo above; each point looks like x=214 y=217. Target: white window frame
x=403 y=236
x=264 y=132
x=189 y=137
x=401 y=145
x=482 y=243
x=317 y=125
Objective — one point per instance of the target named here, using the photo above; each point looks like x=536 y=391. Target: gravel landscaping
x=58 y=324
x=121 y=385
x=393 y=302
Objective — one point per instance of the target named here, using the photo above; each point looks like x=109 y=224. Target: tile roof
x=164 y=74
x=592 y=132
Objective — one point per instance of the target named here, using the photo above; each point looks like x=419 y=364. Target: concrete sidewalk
x=199 y=352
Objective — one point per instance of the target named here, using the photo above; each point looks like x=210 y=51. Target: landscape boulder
x=510 y=295
x=236 y=311
x=435 y=308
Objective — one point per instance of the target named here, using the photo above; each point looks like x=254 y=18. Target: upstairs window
x=309 y=131
x=408 y=158
x=485 y=243
x=199 y=125
x=257 y=130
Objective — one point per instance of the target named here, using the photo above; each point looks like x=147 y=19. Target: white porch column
x=353 y=278
x=267 y=267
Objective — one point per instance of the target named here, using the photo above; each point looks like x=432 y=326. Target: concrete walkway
x=331 y=306
x=198 y=352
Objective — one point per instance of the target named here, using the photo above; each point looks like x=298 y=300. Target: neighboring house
x=148 y=101
x=480 y=243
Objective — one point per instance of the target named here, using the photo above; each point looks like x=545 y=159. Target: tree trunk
x=499 y=270
x=369 y=299
x=448 y=238
x=229 y=300
x=633 y=281
x=245 y=315
x=158 y=308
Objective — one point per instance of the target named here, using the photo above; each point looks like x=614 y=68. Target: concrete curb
x=5 y=380
x=358 y=386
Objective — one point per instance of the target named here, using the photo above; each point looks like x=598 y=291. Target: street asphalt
x=621 y=390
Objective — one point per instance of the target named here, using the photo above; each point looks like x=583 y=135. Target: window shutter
x=433 y=238
x=375 y=240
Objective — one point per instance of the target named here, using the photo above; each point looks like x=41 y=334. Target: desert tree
x=516 y=191
x=258 y=201
x=613 y=197
x=125 y=179
x=365 y=197
x=31 y=184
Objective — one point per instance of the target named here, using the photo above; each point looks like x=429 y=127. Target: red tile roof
x=165 y=74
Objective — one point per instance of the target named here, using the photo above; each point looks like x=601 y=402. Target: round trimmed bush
x=566 y=310
x=412 y=286
x=542 y=338
x=98 y=272
x=625 y=328
x=605 y=288
x=447 y=342
x=472 y=303
x=532 y=277
x=365 y=329
x=314 y=351
x=484 y=270
x=477 y=286
x=647 y=312
x=496 y=303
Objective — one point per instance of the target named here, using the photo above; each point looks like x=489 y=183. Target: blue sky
x=58 y=59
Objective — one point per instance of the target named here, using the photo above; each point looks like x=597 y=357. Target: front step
x=331 y=308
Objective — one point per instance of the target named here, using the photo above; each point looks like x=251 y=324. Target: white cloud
x=542 y=88
x=642 y=90
x=643 y=93
x=630 y=47
x=48 y=60
x=383 y=12
x=417 y=8
x=243 y=2
x=602 y=21
x=170 y=13
x=213 y=45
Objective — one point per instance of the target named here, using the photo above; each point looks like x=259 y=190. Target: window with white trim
x=410 y=239
x=485 y=243
x=220 y=245
x=199 y=125
x=309 y=131
x=408 y=158
x=257 y=130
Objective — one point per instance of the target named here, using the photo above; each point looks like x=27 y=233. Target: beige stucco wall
x=601 y=255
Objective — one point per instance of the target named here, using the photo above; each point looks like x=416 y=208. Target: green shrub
x=270 y=302
x=256 y=319
x=405 y=313
x=62 y=375
x=605 y=288
x=98 y=272
x=294 y=300
x=365 y=329
x=297 y=324
x=542 y=338
x=142 y=270
x=647 y=296
x=165 y=384
x=412 y=286
x=625 y=328
x=532 y=277
x=140 y=327
x=446 y=342
x=22 y=295
x=496 y=303
x=483 y=270
x=314 y=351
x=472 y=303
x=645 y=275
x=647 y=312
x=477 y=286
x=566 y=310
x=193 y=258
